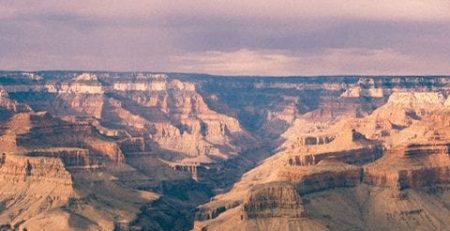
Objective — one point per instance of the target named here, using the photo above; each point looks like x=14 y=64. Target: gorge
x=173 y=151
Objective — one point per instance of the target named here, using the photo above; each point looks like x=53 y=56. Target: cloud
x=245 y=62
x=332 y=61
x=288 y=36
x=380 y=9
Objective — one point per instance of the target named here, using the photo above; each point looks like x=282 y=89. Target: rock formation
x=155 y=151
x=273 y=200
x=400 y=148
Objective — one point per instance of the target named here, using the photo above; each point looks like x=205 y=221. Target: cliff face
x=32 y=186
x=413 y=166
x=273 y=200
x=179 y=121
x=51 y=136
x=397 y=146
x=169 y=114
x=144 y=150
x=7 y=104
x=143 y=130
x=17 y=168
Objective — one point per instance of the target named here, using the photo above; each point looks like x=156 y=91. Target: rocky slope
x=32 y=187
x=148 y=151
x=169 y=114
x=397 y=158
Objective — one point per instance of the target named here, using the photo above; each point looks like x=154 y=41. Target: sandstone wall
x=356 y=156
x=273 y=200
x=22 y=168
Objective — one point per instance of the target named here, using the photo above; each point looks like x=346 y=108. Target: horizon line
x=235 y=76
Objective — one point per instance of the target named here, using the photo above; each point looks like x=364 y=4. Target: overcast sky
x=265 y=37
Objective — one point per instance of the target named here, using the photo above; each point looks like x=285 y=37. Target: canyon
x=173 y=151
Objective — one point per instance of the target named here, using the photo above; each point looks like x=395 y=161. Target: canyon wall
x=145 y=150
x=398 y=146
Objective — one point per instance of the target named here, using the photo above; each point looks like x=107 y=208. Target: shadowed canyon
x=171 y=151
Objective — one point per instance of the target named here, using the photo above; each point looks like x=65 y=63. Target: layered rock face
x=22 y=168
x=59 y=138
x=169 y=114
x=31 y=187
x=273 y=200
x=143 y=130
x=188 y=126
x=7 y=104
x=328 y=174
x=411 y=167
x=400 y=149
x=416 y=99
x=148 y=151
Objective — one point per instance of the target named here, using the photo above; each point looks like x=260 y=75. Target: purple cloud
x=228 y=37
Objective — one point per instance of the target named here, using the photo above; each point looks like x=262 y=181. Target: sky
x=228 y=37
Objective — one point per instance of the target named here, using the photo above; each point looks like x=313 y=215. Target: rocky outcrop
x=106 y=150
x=385 y=86
x=273 y=200
x=22 y=168
x=365 y=87
x=31 y=187
x=140 y=82
x=315 y=140
x=356 y=156
x=208 y=213
x=85 y=83
x=329 y=180
x=423 y=150
x=178 y=120
x=113 y=133
x=11 y=105
x=327 y=174
x=412 y=166
x=132 y=145
x=413 y=99
x=71 y=157
x=45 y=130
x=408 y=178
x=49 y=132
